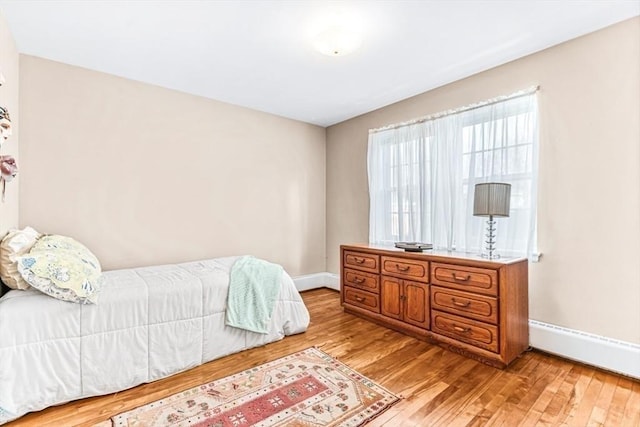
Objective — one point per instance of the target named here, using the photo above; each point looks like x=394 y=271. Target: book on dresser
x=465 y=303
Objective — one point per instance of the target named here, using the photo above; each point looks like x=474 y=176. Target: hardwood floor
x=438 y=387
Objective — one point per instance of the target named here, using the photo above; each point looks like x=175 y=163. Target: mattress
x=149 y=323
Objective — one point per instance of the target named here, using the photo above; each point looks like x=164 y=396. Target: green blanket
x=254 y=285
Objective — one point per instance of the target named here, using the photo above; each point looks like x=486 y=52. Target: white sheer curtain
x=422 y=176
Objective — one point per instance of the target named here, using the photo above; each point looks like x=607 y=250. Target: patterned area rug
x=308 y=388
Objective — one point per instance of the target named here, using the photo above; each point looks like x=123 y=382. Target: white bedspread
x=149 y=323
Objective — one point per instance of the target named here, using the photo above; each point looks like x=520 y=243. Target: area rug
x=308 y=388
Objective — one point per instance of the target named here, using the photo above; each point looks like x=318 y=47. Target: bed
x=149 y=323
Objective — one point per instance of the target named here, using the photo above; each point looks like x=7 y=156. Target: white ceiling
x=258 y=54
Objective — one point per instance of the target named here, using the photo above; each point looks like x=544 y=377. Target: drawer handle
x=358 y=260
x=460 y=304
x=460 y=278
x=402 y=267
x=462 y=330
x=358 y=279
x=360 y=299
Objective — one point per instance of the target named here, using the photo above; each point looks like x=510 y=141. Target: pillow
x=62 y=268
x=13 y=245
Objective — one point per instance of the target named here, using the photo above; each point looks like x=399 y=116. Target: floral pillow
x=62 y=268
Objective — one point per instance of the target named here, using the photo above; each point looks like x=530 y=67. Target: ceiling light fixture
x=337 y=40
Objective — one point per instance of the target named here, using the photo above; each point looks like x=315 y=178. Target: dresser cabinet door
x=391 y=294
x=405 y=300
x=416 y=304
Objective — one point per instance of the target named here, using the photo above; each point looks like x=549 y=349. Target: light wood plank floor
x=439 y=387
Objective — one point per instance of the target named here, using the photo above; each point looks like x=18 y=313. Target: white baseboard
x=317 y=280
x=607 y=353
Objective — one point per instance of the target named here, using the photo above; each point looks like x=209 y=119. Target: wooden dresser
x=468 y=304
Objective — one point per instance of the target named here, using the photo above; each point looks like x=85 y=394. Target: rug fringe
x=374 y=416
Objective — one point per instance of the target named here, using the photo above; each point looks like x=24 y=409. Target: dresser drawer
x=362 y=299
x=359 y=279
x=466 y=304
x=481 y=280
x=469 y=331
x=362 y=261
x=412 y=269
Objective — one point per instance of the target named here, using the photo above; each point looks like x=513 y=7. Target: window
x=422 y=176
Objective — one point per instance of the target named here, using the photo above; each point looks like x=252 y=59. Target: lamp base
x=490 y=244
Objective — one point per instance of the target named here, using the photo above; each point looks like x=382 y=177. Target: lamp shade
x=492 y=199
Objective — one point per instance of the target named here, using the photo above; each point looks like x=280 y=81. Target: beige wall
x=9 y=99
x=144 y=175
x=589 y=187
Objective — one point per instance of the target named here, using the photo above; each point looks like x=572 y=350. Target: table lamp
x=491 y=199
